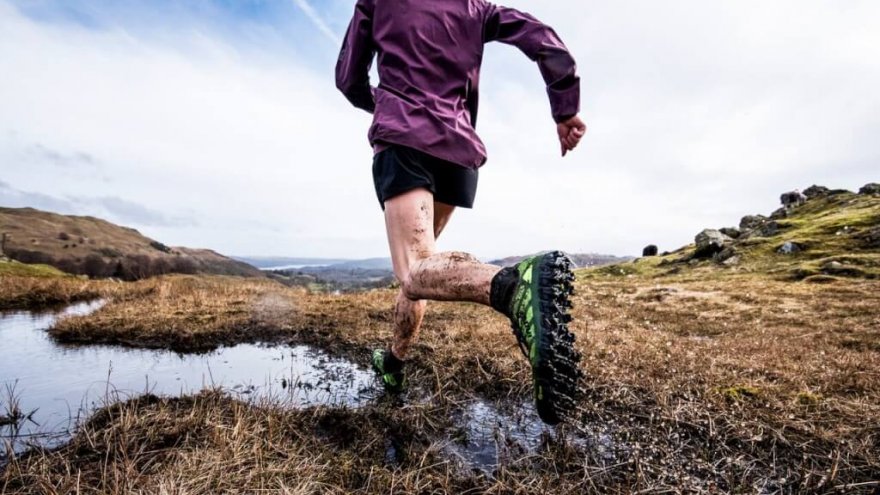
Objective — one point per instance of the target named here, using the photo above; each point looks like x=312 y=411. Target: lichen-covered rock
x=870 y=189
x=709 y=242
x=750 y=222
x=816 y=191
x=650 y=250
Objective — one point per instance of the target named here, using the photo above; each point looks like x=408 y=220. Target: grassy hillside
x=830 y=237
x=11 y=268
x=95 y=247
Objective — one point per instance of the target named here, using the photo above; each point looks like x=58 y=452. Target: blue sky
x=216 y=123
x=247 y=24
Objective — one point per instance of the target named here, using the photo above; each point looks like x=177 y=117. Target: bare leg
x=412 y=228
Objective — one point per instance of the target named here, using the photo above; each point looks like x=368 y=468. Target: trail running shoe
x=393 y=381
x=539 y=317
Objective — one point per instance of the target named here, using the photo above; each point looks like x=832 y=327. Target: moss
x=809 y=398
x=739 y=392
x=16 y=269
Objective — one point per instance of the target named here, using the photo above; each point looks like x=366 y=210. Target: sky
x=216 y=123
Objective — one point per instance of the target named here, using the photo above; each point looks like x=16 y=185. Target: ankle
x=392 y=362
x=502 y=289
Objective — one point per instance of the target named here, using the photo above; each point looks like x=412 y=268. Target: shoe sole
x=555 y=371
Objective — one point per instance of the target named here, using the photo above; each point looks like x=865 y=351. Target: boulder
x=650 y=250
x=839 y=269
x=725 y=254
x=779 y=213
x=769 y=229
x=816 y=191
x=870 y=189
x=750 y=222
x=789 y=247
x=709 y=242
x=731 y=232
x=792 y=199
x=870 y=238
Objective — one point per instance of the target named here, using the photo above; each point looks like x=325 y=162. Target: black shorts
x=398 y=169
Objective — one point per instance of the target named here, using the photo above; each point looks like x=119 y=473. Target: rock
x=815 y=191
x=769 y=229
x=709 y=242
x=838 y=268
x=731 y=232
x=725 y=254
x=750 y=222
x=650 y=250
x=869 y=238
x=792 y=199
x=790 y=247
x=838 y=192
x=732 y=261
x=870 y=189
x=780 y=213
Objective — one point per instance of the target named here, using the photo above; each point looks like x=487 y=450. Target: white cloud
x=699 y=113
x=317 y=20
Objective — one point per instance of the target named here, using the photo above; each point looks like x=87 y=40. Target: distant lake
x=291 y=267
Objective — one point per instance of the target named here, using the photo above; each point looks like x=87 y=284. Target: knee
x=407 y=286
x=406 y=277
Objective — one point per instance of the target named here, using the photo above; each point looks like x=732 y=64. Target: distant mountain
x=581 y=260
x=98 y=248
x=367 y=264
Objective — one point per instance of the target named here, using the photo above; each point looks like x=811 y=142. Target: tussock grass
x=29 y=292
x=742 y=383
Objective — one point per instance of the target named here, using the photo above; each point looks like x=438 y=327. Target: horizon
x=208 y=125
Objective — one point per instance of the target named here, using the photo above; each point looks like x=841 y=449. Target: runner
x=426 y=163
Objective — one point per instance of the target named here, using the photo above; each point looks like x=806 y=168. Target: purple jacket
x=429 y=56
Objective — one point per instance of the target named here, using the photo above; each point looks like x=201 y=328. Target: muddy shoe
x=389 y=371
x=535 y=295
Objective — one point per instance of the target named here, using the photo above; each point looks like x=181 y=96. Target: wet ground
x=46 y=387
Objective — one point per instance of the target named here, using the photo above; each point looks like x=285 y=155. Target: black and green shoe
x=393 y=380
x=537 y=301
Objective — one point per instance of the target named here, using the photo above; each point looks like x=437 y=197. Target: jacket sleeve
x=356 y=57
x=542 y=45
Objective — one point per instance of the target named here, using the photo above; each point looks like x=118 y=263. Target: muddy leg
x=413 y=221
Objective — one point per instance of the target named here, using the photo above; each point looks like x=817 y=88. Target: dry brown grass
x=27 y=292
x=737 y=384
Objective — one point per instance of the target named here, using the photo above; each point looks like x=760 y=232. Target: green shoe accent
x=539 y=317
x=392 y=381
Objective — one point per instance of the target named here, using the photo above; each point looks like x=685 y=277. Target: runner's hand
x=570 y=133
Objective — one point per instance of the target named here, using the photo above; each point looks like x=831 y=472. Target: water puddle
x=489 y=436
x=48 y=386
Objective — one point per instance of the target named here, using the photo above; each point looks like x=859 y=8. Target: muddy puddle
x=47 y=387
x=489 y=435
x=50 y=387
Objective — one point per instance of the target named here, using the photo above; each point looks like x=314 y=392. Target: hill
x=825 y=236
x=581 y=260
x=90 y=246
